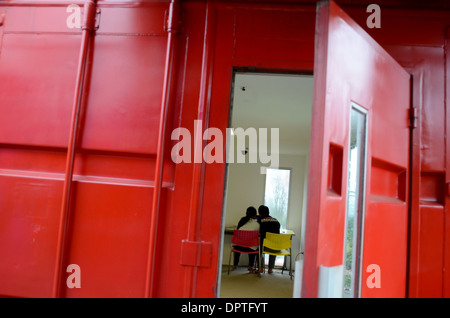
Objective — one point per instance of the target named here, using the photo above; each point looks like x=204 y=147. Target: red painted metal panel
x=109 y=206
x=351 y=67
x=446 y=264
x=116 y=158
x=385 y=242
x=116 y=95
x=109 y=231
x=430 y=253
x=145 y=18
x=34 y=129
x=416 y=40
x=172 y=276
x=404 y=27
x=428 y=186
x=28 y=233
x=31 y=66
x=38 y=19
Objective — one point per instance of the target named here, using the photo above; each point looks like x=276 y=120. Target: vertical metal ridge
x=88 y=28
x=197 y=184
x=172 y=29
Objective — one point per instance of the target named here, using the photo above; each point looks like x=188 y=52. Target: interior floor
x=242 y=284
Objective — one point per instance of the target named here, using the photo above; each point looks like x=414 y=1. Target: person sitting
x=267 y=224
x=247 y=223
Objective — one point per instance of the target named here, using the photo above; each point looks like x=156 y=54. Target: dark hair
x=263 y=211
x=250 y=214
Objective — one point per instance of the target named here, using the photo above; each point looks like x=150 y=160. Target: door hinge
x=413 y=117
x=196 y=253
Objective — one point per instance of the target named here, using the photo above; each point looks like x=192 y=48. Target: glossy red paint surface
x=428 y=196
x=446 y=274
x=108 y=218
x=352 y=67
x=109 y=222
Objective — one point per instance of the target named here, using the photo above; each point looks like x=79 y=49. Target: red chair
x=245 y=239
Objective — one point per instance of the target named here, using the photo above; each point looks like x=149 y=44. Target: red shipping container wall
x=107 y=230
x=108 y=226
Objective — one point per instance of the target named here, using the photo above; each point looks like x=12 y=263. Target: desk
x=230 y=230
x=285 y=231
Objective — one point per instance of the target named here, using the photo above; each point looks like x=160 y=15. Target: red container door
x=358 y=179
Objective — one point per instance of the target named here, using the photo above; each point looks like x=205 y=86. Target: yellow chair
x=278 y=245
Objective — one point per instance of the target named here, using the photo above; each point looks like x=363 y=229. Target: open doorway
x=275 y=109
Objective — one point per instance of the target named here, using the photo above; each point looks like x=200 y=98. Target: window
x=276 y=195
x=355 y=202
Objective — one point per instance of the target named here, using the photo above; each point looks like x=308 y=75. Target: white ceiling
x=281 y=101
